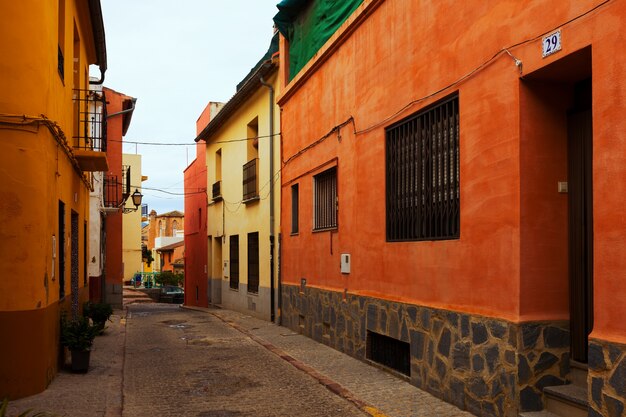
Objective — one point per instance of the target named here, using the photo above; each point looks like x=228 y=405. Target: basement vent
x=389 y=352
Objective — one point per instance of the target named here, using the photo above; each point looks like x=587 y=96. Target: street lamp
x=136 y=197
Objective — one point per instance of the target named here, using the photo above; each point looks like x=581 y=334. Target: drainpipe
x=271 y=134
x=132 y=107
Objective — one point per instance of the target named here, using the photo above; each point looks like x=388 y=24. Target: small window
x=422 y=174
x=325 y=200
x=253 y=262
x=295 y=200
x=234 y=262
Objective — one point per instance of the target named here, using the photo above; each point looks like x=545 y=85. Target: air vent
x=389 y=352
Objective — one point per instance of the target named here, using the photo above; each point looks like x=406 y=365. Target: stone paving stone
x=189 y=363
x=98 y=393
x=382 y=390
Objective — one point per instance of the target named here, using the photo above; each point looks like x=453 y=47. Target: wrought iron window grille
x=325 y=200
x=422 y=175
x=250 y=180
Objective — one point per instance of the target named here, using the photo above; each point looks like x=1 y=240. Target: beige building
x=244 y=196
x=131 y=221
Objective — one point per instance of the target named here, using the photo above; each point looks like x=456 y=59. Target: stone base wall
x=487 y=366
x=607 y=378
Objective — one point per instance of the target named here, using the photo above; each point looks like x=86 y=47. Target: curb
x=327 y=382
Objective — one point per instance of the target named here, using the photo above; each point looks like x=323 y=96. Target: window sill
x=328 y=229
x=251 y=199
x=256 y=294
x=294 y=234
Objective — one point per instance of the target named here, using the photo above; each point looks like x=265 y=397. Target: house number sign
x=551 y=43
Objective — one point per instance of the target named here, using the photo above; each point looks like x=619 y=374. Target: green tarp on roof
x=308 y=24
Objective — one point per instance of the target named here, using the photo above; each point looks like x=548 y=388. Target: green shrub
x=77 y=334
x=170 y=278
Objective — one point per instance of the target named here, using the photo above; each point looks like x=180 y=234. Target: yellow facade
x=131 y=222
x=46 y=51
x=232 y=214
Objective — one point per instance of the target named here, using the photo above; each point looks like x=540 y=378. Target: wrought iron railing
x=90 y=118
x=250 y=183
x=111 y=190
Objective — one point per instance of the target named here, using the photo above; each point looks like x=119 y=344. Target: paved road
x=190 y=363
x=161 y=360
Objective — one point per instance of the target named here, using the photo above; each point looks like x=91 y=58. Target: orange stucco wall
x=511 y=258
x=37 y=172
x=114 y=268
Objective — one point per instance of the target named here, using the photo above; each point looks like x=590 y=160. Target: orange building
x=117 y=189
x=51 y=141
x=197 y=279
x=453 y=180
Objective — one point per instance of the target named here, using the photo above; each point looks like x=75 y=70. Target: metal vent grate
x=390 y=352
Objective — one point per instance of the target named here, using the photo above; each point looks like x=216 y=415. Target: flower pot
x=80 y=360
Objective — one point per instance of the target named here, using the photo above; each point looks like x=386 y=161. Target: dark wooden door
x=580 y=135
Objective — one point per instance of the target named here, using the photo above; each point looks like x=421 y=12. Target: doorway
x=557 y=196
x=580 y=217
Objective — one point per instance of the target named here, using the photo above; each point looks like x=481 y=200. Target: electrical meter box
x=345 y=263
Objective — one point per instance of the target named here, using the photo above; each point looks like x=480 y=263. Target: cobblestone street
x=189 y=363
x=163 y=360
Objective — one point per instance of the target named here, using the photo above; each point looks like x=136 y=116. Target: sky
x=175 y=57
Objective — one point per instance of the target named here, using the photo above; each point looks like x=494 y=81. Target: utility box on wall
x=345 y=263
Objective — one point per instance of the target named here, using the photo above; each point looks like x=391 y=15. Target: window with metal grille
x=234 y=262
x=250 y=183
x=325 y=200
x=422 y=170
x=253 y=262
x=295 y=200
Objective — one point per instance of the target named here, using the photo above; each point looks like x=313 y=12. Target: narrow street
x=162 y=360
x=189 y=363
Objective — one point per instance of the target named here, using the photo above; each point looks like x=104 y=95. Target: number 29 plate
x=551 y=43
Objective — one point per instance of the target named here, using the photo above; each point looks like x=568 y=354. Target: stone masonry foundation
x=488 y=366
x=607 y=378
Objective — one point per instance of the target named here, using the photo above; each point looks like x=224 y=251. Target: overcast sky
x=175 y=57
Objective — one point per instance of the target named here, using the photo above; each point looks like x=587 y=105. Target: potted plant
x=99 y=313
x=78 y=335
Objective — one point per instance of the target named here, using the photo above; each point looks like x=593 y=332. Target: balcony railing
x=90 y=119
x=89 y=130
x=250 y=182
x=217 y=191
x=112 y=191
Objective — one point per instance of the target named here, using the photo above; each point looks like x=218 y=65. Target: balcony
x=217 y=191
x=112 y=192
x=116 y=192
x=89 y=136
x=250 y=181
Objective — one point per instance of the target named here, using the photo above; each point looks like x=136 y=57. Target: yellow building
x=131 y=222
x=244 y=195
x=50 y=141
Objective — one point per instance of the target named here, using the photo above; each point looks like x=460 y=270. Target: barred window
x=422 y=174
x=234 y=262
x=295 y=201
x=253 y=262
x=325 y=200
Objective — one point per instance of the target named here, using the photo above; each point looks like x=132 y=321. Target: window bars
x=422 y=175
x=325 y=200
